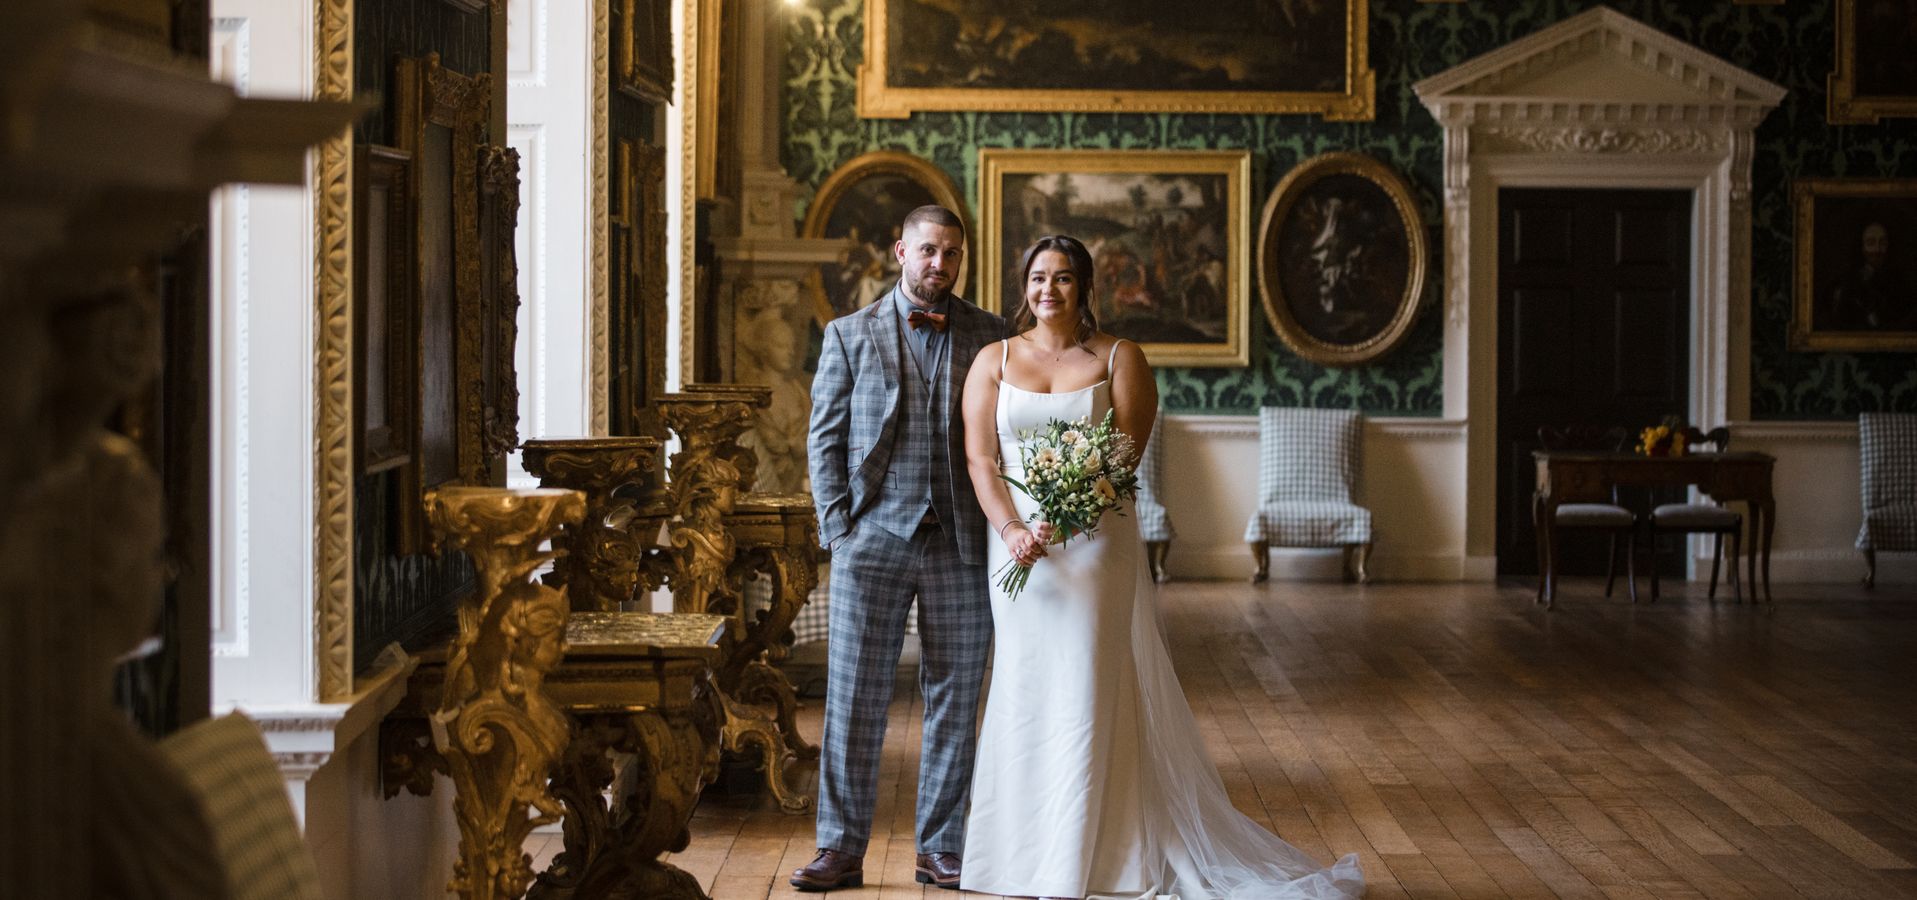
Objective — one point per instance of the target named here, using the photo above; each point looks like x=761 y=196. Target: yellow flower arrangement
x=1661 y=440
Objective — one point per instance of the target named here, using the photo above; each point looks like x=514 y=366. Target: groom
x=896 y=508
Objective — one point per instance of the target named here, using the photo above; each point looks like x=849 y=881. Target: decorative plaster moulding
x=1599 y=66
x=1599 y=100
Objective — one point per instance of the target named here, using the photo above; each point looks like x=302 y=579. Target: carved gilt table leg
x=639 y=686
x=707 y=477
x=776 y=534
x=604 y=554
x=495 y=725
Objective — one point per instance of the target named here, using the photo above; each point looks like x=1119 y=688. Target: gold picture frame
x=863 y=203
x=1852 y=290
x=1195 y=311
x=1355 y=101
x=637 y=312
x=440 y=120
x=642 y=49
x=1854 y=98
x=1341 y=259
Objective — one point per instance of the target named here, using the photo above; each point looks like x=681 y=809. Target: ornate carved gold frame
x=1357 y=102
x=1846 y=107
x=642 y=52
x=430 y=95
x=333 y=360
x=1804 y=195
x=885 y=162
x=638 y=342
x=1283 y=198
x=994 y=164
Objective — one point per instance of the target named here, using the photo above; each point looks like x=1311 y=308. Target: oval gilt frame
x=890 y=162
x=1280 y=206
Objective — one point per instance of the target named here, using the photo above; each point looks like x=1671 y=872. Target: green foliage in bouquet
x=1075 y=472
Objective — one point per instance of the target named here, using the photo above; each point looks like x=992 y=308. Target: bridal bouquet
x=1075 y=472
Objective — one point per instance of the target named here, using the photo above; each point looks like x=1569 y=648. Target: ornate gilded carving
x=498 y=730
x=638 y=688
x=430 y=96
x=707 y=478
x=407 y=758
x=776 y=536
x=606 y=551
x=638 y=316
x=333 y=360
x=598 y=278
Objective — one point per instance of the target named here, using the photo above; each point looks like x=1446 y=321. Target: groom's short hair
x=935 y=214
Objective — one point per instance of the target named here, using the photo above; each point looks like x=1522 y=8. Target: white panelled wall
x=549 y=62
x=1413 y=482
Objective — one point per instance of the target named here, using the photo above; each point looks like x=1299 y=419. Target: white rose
x=1071 y=437
x=1093 y=462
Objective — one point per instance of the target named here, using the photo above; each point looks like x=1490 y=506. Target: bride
x=1092 y=779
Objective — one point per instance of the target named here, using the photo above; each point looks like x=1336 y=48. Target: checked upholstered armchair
x=1154 y=525
x=1308 y=462
x=1887 y=449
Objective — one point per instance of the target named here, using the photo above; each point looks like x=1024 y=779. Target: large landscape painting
x=1167 y=236
x=1226 y=55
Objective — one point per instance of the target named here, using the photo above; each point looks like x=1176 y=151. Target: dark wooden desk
x=1582 y=477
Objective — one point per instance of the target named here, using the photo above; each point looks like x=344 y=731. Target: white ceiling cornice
x=1647 y=69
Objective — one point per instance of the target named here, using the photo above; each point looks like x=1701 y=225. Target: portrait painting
x=1856 y=288
x=1167 y=233
x=862 y=206
x=1242 y=56
x=1876 y=72
x=1341 y=259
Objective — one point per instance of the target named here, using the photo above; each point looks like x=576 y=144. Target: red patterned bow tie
x=919 y=319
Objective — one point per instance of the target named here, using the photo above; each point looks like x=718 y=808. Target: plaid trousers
x=875 y=577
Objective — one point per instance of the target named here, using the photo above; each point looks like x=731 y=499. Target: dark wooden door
x=1594 y=301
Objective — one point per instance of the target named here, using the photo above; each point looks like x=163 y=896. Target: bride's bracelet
x=1008 y=522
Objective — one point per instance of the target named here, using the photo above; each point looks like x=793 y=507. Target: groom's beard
x=928 y=290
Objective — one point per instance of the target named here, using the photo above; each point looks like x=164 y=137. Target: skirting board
x=1295 y=564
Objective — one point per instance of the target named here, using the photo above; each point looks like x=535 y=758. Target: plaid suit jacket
x=855 y=403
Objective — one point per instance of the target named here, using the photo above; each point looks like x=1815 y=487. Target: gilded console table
x=1584 y=477
x=709 y=473
x=610 y=556
x=776 y=534
x=495 y=728
x=634 y=686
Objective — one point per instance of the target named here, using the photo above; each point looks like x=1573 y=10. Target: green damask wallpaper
x=1790 y=44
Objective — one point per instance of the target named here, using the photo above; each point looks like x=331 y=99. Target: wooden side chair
x=1702 y=518
x=1154 y=524
x=1611 y=518
x=1308 y=462
x=1887 y=450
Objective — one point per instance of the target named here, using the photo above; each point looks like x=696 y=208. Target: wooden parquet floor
x=1465 y=743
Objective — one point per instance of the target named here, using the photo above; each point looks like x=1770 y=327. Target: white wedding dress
x=1092 y=778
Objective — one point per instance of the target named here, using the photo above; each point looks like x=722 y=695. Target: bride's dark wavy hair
x=1081 y=263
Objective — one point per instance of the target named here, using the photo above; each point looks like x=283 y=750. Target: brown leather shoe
x=941 y=869
x=832 y=869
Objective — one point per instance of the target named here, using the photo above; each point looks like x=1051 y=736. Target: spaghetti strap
x=1004 y=357
x=1111 y=359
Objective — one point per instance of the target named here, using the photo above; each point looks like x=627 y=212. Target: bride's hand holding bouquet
x=1075 y=472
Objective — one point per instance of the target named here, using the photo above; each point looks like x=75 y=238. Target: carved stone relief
x=770 y=321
